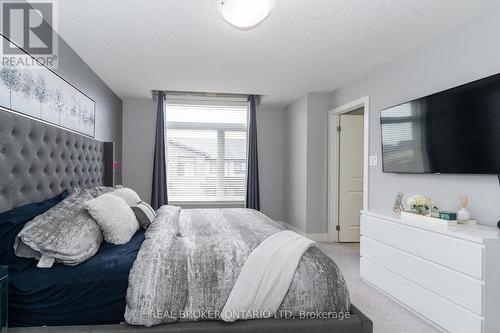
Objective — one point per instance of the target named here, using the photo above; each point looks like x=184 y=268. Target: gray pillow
x=144 y=213
x=66 y=232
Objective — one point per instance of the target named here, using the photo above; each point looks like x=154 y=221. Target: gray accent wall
x=465 y=53
x=108 y=122
x=108 y=106
x=139 y=116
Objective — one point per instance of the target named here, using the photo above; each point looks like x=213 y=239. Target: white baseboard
x=321 y=237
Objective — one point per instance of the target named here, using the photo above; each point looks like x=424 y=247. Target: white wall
x=468 y=52
x=270 y=137
x=293 y=142
x=295 y=166
x=305 y=165
x=139 y=125
x=317 y=162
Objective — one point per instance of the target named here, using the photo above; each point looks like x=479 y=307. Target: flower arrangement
x=420 y=204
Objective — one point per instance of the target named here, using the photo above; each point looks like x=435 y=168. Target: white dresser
x=449 y=275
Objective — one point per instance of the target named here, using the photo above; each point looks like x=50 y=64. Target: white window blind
x=206 y=149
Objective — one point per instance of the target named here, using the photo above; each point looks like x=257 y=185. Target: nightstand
x=4 y=293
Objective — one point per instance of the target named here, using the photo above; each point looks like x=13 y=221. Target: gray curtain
x=252 y=196
x=159 y=195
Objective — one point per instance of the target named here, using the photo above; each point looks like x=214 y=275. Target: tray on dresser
x=412 y=217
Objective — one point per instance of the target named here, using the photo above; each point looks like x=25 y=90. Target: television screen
x=453 y=131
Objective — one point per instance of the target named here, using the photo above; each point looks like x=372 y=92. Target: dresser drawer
x=457 y=254
x=456 y=287
x=442 y=312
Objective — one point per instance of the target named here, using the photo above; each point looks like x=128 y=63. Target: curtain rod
x=201 y=94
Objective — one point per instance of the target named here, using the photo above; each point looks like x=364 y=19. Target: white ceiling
x=304 y=46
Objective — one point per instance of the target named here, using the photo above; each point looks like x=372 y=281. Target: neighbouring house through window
x=206 y=149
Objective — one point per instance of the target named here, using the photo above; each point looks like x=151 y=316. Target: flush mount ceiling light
x=244 y=14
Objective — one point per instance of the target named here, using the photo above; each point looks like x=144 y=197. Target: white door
x=350 y=176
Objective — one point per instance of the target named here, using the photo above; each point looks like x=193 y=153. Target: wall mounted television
x=453 y=131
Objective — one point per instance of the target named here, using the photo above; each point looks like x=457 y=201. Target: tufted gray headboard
x=39 y=161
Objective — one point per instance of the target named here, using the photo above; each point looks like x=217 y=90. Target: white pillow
x=116 y=219
x=129 y=195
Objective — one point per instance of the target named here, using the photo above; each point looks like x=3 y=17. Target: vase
x=463 y=214
x=420 y=210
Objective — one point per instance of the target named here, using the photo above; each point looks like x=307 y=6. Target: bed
x=92 y=293
x=38 y=162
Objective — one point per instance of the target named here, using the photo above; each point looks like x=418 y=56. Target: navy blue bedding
x=88 y=294
x=13 y=221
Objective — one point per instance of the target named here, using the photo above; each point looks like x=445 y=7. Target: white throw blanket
x=266 y=277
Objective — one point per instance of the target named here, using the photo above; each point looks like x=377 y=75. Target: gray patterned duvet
x=190 y=260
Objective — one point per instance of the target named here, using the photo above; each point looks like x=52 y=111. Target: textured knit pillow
x=129 y=195
x=114 y=216
x=144 y=213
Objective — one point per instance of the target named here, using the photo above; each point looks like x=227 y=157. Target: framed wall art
x=40 y=93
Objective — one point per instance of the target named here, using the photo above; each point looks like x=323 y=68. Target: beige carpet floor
x=387 y=315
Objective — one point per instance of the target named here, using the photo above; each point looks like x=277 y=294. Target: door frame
x=333 y=160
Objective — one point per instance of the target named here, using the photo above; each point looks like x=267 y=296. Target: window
x=186 y=166
x=206 y=149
